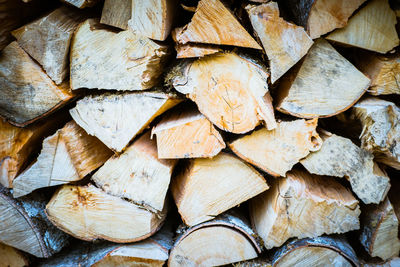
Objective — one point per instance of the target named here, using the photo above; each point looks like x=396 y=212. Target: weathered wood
x=12 y=257
x=277 y=151
x=67 y=156
x=116 y=13
x=81 y=3
x=303 y=205
x=322 y=85
x=117 y=118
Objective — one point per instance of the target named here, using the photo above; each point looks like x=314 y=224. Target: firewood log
x=284 y=43
x=232 y=183
x=258 y=262
x=322 y=85
x=23 y=225
x=277 y=151
x=48 y=39
x=393 y=262
x=214 y=23
x=229 y=89
x=372 y=28
x=117 y=118
x=116 y=13
x=226 y=239
x=103 y=59
x=12 y=257
x=303 y=205
x=186 y=133
x=27 y=93
x=81 y=3
x=88 y=213
x=339 y=157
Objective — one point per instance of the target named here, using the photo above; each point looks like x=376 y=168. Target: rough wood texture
x=200 y=198
x=88 y=213
x=339 y=157
x=303 y=205
x=68 y=155
x=117 y=118
x=103 y=59
x=284 y=43
x=116 y=13
x=323 y=85
x=81 y=3
x=372 y=28
x=27 y=93
x=229 y=89
x=11 y=257
x=187 y=134
x=277 y=151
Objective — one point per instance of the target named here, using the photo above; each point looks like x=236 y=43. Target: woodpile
x=199 y=133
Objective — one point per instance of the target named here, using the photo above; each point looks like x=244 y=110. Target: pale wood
x=27 y=93
x=339 y=157
x=117 y=118
x=323 y=85
x=284 y=43
x=116 y=13
x=277 y=151
x=11 y=257
x=200 y=198
x=372 y=28
x=393 y=262
x=187 y=134
x=303 y=205
x=231 y=90
x=81 y=3
x=103 y=59
x=88 y=213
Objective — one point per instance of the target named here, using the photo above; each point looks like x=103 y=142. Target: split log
x=232 y=183
x=116 y=13
x=81 y=3
x=48 y=39
x=229 y=89
x=12 y=257
x=103 y=59
x=277 y=151
x=23 y=225
x=187 y=134
x=393 y=262
x=88 y=213
x=226 y=239
x=322 y=85
x=117 y=118
x=214 y=23
x=27 y=93
x=284 y=43
x=372 y=28
x=339 y=157
x=379 y=226
x=303 y=205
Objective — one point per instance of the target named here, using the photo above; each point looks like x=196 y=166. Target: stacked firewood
x=199 y=133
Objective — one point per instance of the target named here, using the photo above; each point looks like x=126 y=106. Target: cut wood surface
x=229 y=89
x=277 y=151
x=303 y=205
x=81 y=3
x=117 y=118
x=372 y=28
x=11 y=257
x=187 y=134
x=284 y=43
x=322 y=85
x=27 y=93
x=67 y=156
x=340 y=157
x=393 y=262
x=116 y=13
x=88 y=213
x=232 y=183
x=103 y=59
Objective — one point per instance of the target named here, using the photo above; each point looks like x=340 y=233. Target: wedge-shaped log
x=27 y=93
x=232 y=183
x=103 y=59
x=322 y=85
x=277 y=151
x=88 y=213
x=23 y=225
x=68 y=155
x=284 y=43
x=117 y=118
x=214 y=23
x=229 y=89
x=339 y=157
x=48 y=39
x=116 y=13
x=303 y=205
x=372 y=28
x=12 y=257
x=81 y=3
x=226 y=239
